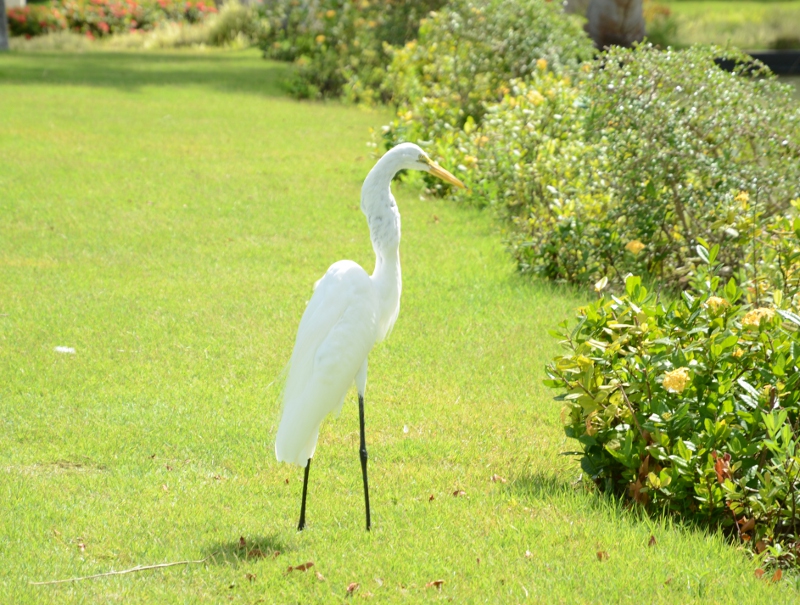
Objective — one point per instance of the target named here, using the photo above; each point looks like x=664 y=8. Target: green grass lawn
x=167 y=215
x=750 y=25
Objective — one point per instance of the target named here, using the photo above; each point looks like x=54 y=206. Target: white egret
x=348 y=313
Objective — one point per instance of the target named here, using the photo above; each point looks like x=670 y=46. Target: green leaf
x=631 y=283
x=731 y=291
x=749 y=388
x=789 y=316
x=702 y=252
x=712 y=255
x=729 y=342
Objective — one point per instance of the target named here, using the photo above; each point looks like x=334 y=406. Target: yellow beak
x=437 y=170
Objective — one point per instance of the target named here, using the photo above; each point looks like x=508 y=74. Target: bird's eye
x=424 y=159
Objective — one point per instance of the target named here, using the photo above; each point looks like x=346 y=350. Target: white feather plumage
x=348 y=313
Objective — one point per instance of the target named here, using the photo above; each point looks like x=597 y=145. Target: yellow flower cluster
x=676 y=380
x=754 y=318
x=319 y=39
x=635 y=246
x=715 y=303
x=743 y=198
x=541 y=64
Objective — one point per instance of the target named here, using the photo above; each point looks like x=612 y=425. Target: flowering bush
x=35 y=20
x=462 y=63
x=626 y=165
x=691 y=407
x=341 y=47
x=97 y=18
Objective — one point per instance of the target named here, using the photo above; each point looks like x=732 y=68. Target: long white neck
x=379 y=206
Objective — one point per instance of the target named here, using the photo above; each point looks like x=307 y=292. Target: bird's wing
x=336 y=333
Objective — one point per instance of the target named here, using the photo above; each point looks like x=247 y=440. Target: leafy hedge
x=341 y=47
x=622 y=167
x=463 y=62
x=97 y=18
x=691 y=406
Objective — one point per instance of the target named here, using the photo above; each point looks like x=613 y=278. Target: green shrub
x=234 y=22
x=691 y=407
x=462 y=63
x=341 y=47
x=624 y=170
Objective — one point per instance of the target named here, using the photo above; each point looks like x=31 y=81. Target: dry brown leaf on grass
x=436 y=583
x=602 y=555
x=352 y=587
x=302 y=567
x=497 y=479
x=320 y=577
x=459 y=492
x=528 y=554
x=651 y=541
x=759 y=573
x=431 y=497
x=250 y=576
x=776 y=577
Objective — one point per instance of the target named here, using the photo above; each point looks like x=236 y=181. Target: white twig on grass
x=124 y=571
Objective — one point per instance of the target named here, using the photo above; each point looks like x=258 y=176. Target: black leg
x=364 y=455
x=302 y=522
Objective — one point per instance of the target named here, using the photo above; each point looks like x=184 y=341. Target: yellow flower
x=742 y=196
x=635 y=246
x=470 y=161
x=330 y=14
x=535 y=97
x=737 y=353
x=676 y=380
x=755 y=317
x=715 y=303
x=541 y=64
x=319 y=39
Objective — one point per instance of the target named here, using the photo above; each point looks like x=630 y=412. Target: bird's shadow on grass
x=244 y=549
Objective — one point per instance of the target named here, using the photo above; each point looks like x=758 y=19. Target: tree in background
x=615 y=22
x=3 y=26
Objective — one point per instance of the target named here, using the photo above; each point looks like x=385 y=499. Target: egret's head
x=416 y=159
